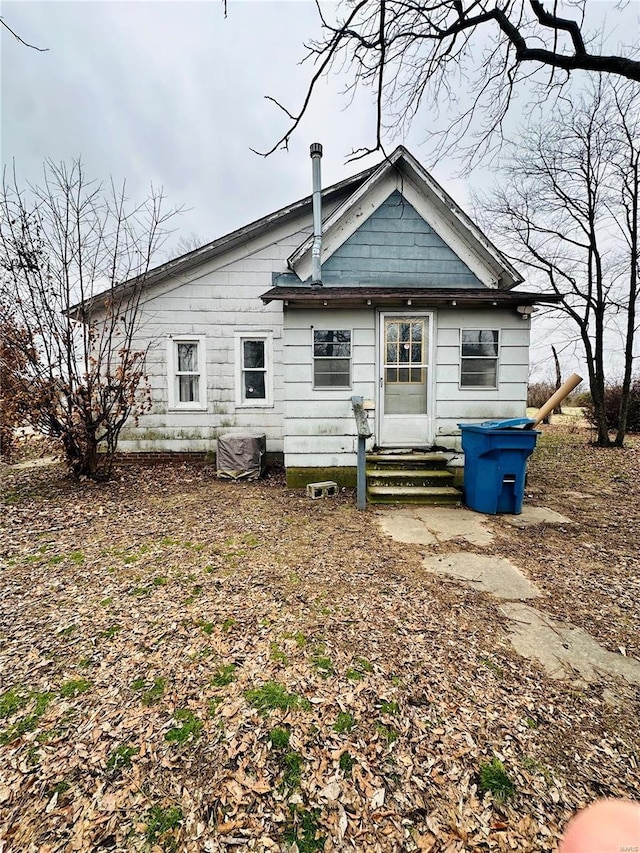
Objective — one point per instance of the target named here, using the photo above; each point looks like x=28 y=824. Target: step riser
x=414 y=467
x=429 y=495
x=432 y=462
x=394 y=465
x=399 y=481
x=423 y=501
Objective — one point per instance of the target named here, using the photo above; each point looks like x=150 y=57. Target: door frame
x=381 y=315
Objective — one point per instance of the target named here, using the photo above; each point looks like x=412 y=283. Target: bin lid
x=510 y=423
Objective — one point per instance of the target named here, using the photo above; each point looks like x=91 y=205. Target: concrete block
x=326 y=489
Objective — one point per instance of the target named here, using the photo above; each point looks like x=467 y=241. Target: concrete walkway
x=489 y=574
x=565 y=651
x=424 y=525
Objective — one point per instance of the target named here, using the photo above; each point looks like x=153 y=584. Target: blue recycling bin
x=495 y=464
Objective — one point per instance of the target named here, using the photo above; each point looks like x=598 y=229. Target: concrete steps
x=406 y=460
x=416 y=478
x=426 y=495
x=408 y=477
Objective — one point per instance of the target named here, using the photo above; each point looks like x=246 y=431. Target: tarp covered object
x=241 y=456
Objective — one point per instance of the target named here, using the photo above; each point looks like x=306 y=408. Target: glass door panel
x=406 y=367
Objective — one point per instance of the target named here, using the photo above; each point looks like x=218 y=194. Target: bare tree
x=567 y=205
x=412 y=51
x=626 y=174
x=74 y=257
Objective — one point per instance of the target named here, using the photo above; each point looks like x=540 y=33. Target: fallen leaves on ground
x=194 y=665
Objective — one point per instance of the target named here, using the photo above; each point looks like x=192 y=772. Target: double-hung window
x=479 y=353
x=187 y=378
x=332 y=358
x=254 y=369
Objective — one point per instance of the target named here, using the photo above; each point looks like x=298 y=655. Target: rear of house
x=414 y=311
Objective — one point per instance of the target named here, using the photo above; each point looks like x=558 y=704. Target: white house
x=414 y=310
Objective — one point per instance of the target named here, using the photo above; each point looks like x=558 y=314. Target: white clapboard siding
x=297 y=426
x=453 y=319
x=447 y=392
x=216 y=300
x=319 y=427
x=318 y=423
x=325 y=460
x=450 y=373
x=320 y=444
x=455 y=404
x=472 y=411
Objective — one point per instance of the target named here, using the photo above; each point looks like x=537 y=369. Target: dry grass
x=200 y=617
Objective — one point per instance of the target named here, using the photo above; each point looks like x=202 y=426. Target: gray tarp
x=241 y=456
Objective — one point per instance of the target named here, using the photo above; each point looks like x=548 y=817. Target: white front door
x=405 y=398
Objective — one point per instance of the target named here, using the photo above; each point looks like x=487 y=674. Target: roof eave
x=415 y=296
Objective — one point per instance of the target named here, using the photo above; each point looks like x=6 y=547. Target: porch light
x=408 y=302
x=525 y=311
x=454 y=302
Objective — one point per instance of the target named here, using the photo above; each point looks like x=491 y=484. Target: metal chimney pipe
x=316 y=250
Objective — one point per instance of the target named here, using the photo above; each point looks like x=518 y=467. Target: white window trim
x=488 y=357
x=254 y=335
x=331 y=388
x=174 y=403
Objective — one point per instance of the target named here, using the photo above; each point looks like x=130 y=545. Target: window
x=332 y=359
x=253 y=369
x=406 y=342
x=479 y=358
x=187 y=380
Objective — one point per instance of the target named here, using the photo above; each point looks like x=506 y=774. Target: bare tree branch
x=568 y=206
x=410 y=51
x=20 y=39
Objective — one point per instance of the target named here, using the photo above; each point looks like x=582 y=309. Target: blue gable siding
x=396 y=247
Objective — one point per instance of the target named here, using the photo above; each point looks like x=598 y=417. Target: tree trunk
x=558 y=409
x=623 y=413
x=597 y=389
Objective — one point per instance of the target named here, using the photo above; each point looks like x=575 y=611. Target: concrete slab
x=425 y=525
x=455 y=523
x=564 y=650
x=532 y=515
x=403 y=526
x=489 y=574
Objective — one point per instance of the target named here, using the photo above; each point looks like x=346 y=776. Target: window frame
x=348 y=358
x=174 y=403
x=266 y=336
x=495 y=358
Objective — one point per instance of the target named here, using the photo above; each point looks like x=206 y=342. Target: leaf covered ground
x=194 y=665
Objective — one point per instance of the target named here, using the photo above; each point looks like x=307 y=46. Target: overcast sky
x=174 y=93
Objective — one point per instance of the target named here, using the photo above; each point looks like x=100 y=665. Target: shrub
x=582 y=400
x=538 y=393
x=612 y=396
x=14 y=380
